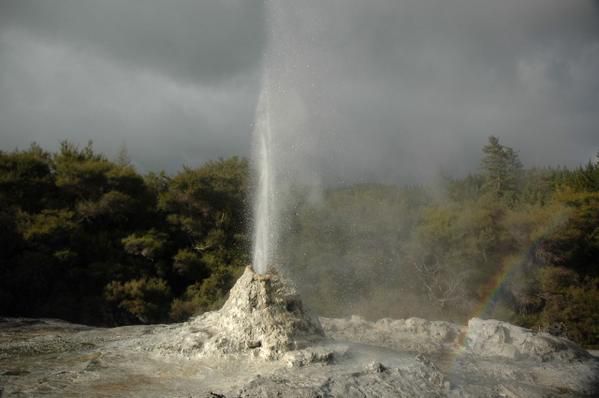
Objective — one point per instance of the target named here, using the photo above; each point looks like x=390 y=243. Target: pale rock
x=263 y=317
x=497 y=338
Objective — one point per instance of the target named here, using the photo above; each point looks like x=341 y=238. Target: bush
x=188 y=264
x=147 y=299
x=571 y=303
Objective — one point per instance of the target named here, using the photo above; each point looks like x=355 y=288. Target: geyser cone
x=263 y=315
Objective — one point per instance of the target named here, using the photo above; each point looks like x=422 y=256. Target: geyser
x=265 y=209
x=280 y=142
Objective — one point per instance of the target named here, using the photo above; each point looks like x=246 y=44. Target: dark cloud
x=386 y=89
x=175 y=81
x=200 y=40
x=412 y=89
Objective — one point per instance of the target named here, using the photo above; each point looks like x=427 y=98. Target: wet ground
x=54 y=358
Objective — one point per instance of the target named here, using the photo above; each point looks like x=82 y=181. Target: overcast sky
x=390 y=90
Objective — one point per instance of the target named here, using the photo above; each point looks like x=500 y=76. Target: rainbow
x=490 y=293
x=491 y=289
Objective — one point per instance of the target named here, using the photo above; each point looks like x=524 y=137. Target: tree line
x=510 y=243
x=90 y=240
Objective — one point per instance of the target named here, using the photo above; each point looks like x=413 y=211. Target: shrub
x=147 y=299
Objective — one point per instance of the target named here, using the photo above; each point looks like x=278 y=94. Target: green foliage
x=90 y=240
x=146 y=299
x=576 y=243
x=467 y=189
x=26 y=179
x=572 y=303
x=149 y=245
x=208 y=205
x=188 y=264
x=210 y=196
x=80 y=173
x=538 y=186
x=10 y=238
x=528 y=236
x=585 y=178
x=112 y=206
x=555 y=280
x=210 y=294
x=502 y=170
x=48 y=225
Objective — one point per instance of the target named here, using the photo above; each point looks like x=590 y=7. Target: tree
x=26 y=178
x=147 y=299
x=87 y=239
x=208 y=205
x=502 y=170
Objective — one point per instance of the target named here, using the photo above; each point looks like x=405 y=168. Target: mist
x=378 y=114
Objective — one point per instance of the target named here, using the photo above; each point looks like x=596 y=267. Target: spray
x=265 y=205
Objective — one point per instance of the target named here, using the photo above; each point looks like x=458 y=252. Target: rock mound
x=483 y=338
x=496 y=338
x=264 y=317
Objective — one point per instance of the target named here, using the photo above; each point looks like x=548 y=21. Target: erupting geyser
x=265 y=210
x=274 y=122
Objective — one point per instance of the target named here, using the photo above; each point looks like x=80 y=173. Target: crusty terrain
x=263 y=343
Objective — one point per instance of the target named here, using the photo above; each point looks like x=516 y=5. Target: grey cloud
x=49 y=93
x=200 y=40
x=390 y=90
x=406 y=90
x=175 y=81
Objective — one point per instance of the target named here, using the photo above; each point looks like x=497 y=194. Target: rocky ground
x=263 y=343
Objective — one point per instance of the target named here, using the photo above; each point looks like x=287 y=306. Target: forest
x=90 y=240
